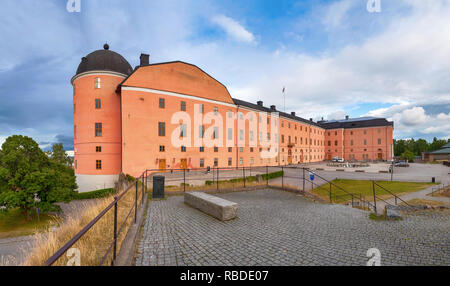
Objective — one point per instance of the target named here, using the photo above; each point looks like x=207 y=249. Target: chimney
x=273 y=107
x=145 y=60
x=322 y=118
x=346 y=117
x=260 y=103
x=293 y=113
x=311 y=119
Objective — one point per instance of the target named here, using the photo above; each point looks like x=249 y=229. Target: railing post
x=115 y=231
x=352 y=200
x=184 y=180
x=282 y=177
x=395 y=200
x=303 y=179
x=135 y=203
x=243 y=172
x=374 y=200
x=267 y=175
x=331 y=201
x=217 y=180
x=146 y=188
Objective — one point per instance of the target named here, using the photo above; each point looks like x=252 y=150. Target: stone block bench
x=214 y=206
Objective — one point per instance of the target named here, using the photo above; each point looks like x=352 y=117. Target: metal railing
x=113 y=247
x=439 y=189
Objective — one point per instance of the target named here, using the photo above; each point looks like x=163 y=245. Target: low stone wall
x=217 y=207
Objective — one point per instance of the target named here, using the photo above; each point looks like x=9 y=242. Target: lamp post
x=36 y=201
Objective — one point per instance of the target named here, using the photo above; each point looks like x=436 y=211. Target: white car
x=337 y=159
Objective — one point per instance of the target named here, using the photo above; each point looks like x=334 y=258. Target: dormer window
x=97 y=82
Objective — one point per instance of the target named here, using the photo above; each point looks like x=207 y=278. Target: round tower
x=97 y=120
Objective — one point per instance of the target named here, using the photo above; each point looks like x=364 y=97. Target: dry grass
x=95 y=243
x=445 y=192
x=418 y=202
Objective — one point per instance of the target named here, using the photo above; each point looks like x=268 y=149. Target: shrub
x=94 y=194
x=272 y=175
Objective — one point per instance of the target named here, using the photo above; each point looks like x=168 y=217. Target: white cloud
x=336 y=115
x=412 y=117
x=336 y=13
x=234 y=29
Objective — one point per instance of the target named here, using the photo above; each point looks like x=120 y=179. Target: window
x=351 y=142
x=76 y=163
x=335 y=143
x=252 y=161
x=201 y=108
x=230 y=113
x=216 y=149
x=241 y=149
x=202 y=149
x=216 y=110
x=98 y=103
x=183 y=148
x=162 y=148
x=365 y=142
x=230 y=133
x=282 y=138
x=335 y=132
x=241 y=161
x=251 y=135
x=75 y=132
x=202 y=163
x=230 y=161
x=351 y=132
x=98 y=149
x=329 y=143
x=183 y=130
x=379 y=130
x=241 y=134
x=230 y=149
x=365 y=132
x=161 y=129
x=98 y=164
x=97 y=83
x=162 y=103
x=282 y=123
x=251 y=149
x=379 y=141
x=201 y=131
x=98 y=130
x=216 y=133
x=183 y=106
x=216 y=162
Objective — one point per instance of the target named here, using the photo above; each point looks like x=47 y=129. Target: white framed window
x=97 y=82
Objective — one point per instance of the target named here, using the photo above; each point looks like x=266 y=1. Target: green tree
x=407 y=155
x=30 y=179
x=58 y=154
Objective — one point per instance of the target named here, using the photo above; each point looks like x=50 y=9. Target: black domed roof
x=104 y=60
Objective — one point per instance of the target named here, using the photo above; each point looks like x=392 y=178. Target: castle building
x=173 y=115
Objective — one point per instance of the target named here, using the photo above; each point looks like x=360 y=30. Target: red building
x=174 y=115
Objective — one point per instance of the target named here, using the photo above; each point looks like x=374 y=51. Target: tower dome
x=104 y=60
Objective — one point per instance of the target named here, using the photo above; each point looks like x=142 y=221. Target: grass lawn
x=364 y=188
x=416 y=202
x=14 y=223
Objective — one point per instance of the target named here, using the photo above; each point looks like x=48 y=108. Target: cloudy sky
x=333 y=57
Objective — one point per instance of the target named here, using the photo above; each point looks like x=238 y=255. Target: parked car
x=337 y=159
x=401 y=164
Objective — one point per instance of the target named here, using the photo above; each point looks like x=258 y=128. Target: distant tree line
x=410 y=147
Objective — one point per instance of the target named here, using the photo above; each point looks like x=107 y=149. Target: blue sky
x=333 y=57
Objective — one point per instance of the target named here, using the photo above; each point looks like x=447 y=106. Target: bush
x=94 y=194
x=272 y=175
x=130 y=178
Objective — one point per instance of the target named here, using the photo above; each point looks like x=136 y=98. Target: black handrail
x=80 y=234
x=395 y=196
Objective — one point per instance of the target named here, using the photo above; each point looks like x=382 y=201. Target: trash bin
x=433 y=180
x=158 y=187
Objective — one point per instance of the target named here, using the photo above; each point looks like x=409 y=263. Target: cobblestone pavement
x=281 y=228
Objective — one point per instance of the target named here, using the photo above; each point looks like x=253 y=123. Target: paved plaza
x=281 y=228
